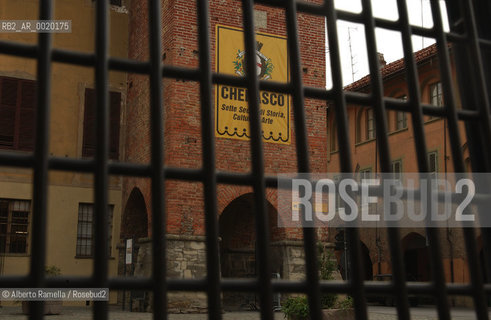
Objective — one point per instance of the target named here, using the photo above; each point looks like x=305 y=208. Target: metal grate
x=470 y=36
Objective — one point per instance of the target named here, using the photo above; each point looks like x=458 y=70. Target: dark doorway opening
x=416 y=258
x=237 y=227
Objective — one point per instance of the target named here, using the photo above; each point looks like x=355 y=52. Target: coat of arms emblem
x=264 y=65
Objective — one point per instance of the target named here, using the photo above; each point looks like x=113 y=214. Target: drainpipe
x=449 y=233
x=377 y=232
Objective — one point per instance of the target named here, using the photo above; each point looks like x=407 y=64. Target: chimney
x=381 y=60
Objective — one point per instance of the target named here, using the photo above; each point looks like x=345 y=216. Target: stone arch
x=366 y=262
x=135 y=218
x=416 y=257
x=237 y=229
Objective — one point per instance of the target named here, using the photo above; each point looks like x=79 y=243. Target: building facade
x=363 y=144
x=183 y=149
x=72 y=135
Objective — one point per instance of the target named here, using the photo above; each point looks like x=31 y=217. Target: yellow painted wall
x=66 y=190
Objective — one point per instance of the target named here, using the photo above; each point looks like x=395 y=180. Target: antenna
x=353 y=71
x=422 y=25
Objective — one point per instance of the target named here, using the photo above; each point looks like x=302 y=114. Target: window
x=334 y=138
x=85 y=229
x=433 y=163
x=370 y=124
x=397 y=169
x=436 y=94
x=387 y=116
x=366 y=174
x=114 y=2
x=14 y=225
x=17 y=113
x=401 y=117
x=358 y=126
x=401 y=120
x=89 y=138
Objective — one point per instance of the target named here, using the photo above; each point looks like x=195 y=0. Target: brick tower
x=182 y=143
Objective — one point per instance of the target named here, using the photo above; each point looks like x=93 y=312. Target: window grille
x=85 y=229
x=470 y=38
x=14 y=225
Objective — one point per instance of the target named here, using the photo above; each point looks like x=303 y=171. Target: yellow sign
x=232 y=110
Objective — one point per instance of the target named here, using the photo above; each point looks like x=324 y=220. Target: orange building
x=363 y=146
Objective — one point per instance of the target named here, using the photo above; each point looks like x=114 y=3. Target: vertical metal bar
x=356 y=273
x=400 y=290
x=469 y=234
x=101 y=156
x=210 y=182
x=41 y=151
x=460 y=16
x=341 y=114
x=302 y=155
x=157 y=163
x=413 y=87
x=436 y=263
x=261 y=213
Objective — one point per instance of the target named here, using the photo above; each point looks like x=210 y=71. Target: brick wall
x=182 y=132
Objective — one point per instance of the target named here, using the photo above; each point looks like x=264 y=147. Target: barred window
x=14 y=225
x=433 y=163
x=85 y=230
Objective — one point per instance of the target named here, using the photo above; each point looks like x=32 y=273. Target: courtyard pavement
x=375 y=313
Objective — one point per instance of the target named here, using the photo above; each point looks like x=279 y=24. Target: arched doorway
x=135 y=218
x=134 y=226
x=237 y=227
x=366 y=262
x=416 y=259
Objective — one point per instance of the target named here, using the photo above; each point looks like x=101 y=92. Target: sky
x=388 y=42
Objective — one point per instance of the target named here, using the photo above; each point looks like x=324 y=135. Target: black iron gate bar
x=467 y=44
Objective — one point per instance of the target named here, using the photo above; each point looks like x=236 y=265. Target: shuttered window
x=118 y=3
x=17 y=113
x=89 y=137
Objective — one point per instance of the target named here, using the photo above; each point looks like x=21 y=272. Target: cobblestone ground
x=83 y=313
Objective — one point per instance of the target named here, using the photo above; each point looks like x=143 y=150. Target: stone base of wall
x=186 y=259
x=290 y=259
